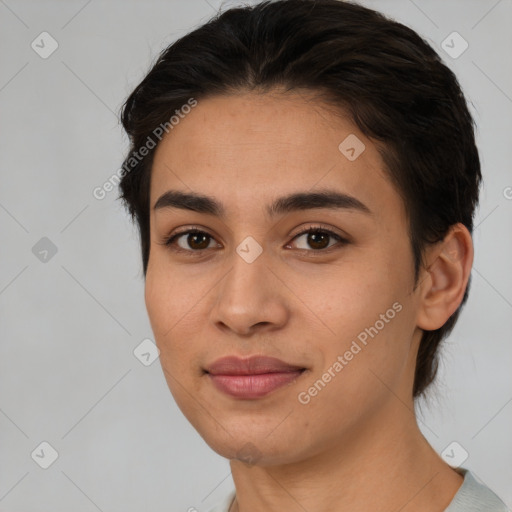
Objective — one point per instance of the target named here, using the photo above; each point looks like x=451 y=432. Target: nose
x=250 y=297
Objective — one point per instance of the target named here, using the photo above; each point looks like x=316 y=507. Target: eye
x=318 y=238
x=194 y=241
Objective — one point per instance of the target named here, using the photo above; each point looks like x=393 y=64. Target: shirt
x=472 y=496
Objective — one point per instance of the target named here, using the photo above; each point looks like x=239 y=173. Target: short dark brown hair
x=391 y=82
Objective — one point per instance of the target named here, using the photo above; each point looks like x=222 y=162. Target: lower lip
x=253 y=386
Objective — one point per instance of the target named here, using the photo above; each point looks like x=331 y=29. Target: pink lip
x=253 y=377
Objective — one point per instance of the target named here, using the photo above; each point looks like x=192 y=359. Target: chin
x=254 y=449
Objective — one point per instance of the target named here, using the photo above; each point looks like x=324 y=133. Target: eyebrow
x=323 y=199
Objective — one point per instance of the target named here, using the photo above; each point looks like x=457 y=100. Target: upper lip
x=254 y=365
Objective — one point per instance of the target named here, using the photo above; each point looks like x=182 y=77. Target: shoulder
x=474 y=496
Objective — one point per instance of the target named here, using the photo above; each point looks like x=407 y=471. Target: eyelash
x=170 y=241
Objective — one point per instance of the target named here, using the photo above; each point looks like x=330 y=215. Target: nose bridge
x=249 y=266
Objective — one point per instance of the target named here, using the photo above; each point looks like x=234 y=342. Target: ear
x=445 y=278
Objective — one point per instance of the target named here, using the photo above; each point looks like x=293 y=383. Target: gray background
x=69 y=324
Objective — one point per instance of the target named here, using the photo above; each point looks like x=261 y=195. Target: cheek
x=360 y=372
x=170 y=298
x=351 y=296
x=173 y=303
x=173 y=337
x=369 y=313
x=156 y=299
x=164 y=311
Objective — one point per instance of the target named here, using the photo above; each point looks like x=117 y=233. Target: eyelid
x=320 y=227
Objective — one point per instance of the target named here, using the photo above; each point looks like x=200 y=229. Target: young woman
x=304 y=176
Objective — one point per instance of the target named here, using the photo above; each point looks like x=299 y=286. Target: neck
x=387 y=465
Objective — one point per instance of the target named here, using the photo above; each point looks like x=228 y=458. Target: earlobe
x=445 y=279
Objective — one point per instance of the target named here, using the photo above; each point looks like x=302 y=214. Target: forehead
x=247 y=147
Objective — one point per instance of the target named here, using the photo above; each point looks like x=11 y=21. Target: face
x=324 y=286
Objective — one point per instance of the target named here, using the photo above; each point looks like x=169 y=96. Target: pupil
x=313 y=240
x=192 y=238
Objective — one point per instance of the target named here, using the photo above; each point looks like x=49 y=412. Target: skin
x=356 y=445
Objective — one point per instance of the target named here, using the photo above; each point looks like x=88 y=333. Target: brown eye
x=198 y=240
x=318 y=239
x=191 y=240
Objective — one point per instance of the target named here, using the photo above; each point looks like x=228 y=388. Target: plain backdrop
x=71 y=288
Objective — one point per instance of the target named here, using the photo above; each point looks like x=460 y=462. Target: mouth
x=253 y=386
x=251 y=378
